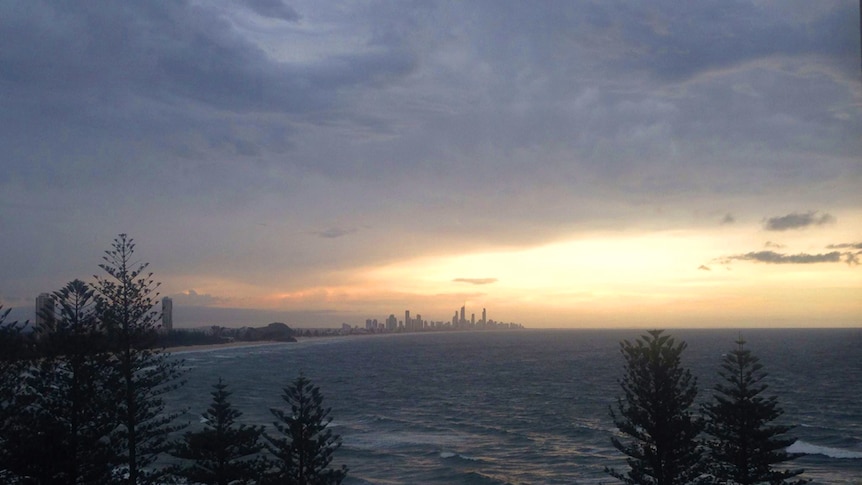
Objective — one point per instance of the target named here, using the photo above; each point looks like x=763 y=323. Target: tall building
x=463 y=319
x=167 y=314
x=408 y=324
x=484 y=317
x=44 y=309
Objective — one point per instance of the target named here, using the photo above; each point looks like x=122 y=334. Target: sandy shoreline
x=194 y=348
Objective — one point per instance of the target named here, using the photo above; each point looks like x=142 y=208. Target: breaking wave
x=812 y=449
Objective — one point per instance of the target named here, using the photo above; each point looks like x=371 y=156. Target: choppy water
x=523 y=406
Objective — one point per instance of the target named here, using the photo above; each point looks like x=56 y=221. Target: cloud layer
x=260 y=147
x=476 y=281
x=779 y=258
x=798 y=221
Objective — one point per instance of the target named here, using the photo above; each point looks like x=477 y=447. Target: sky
x=562 y=164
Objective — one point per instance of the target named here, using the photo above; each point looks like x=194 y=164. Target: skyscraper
x=167 y=314
x=44 y=309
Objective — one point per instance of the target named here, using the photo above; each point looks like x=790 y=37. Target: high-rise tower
x=167 y=314
x=44 y=309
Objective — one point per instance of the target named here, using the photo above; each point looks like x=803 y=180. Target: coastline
x=197 y=348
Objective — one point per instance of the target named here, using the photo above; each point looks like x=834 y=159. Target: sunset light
x=604 y=166
x=509 y=241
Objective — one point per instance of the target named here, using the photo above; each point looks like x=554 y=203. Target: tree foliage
x=71 y=409
x=126 y=308
x=654 y=414
x=304 y=449
x=224 y=452
x=744 y=444
x=11 y=349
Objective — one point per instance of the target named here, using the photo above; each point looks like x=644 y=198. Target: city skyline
x=419 y=324
x=45 y=303
x=574 y=164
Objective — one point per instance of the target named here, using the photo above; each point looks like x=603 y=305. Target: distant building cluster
x=416 y=323
x=45 y=307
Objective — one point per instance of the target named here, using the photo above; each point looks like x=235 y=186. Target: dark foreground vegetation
x=733 y=440
x=81 y=399
x=81 y=402
x=274 y=332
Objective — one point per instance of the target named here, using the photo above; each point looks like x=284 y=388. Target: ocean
x=523 y=407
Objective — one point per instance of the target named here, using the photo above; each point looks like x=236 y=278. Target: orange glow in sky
x=664 y=278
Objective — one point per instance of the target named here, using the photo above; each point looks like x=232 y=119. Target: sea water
x=521 y=407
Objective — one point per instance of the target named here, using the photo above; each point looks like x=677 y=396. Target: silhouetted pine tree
x=11 y=365
x=67 y=406
x=125 y=307
x=223 y=452
x=744 y=446
x=304 y=450
x=654 y=413
x=13 y=349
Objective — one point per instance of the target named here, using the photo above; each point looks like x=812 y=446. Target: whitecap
x=448 y=454
x=812 y=449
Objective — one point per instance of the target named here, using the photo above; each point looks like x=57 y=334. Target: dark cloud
x=334 y=232
x=476 y=281
x=711 y=35
x=845 y=246
x=728 y=219
x=704 y=267
x=176 y=79
x=273 y=8
x=182 y=77
x=797 y=221
x=773 y=257
x=774 y=245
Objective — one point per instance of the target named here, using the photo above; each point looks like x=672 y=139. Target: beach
x=199 y=348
